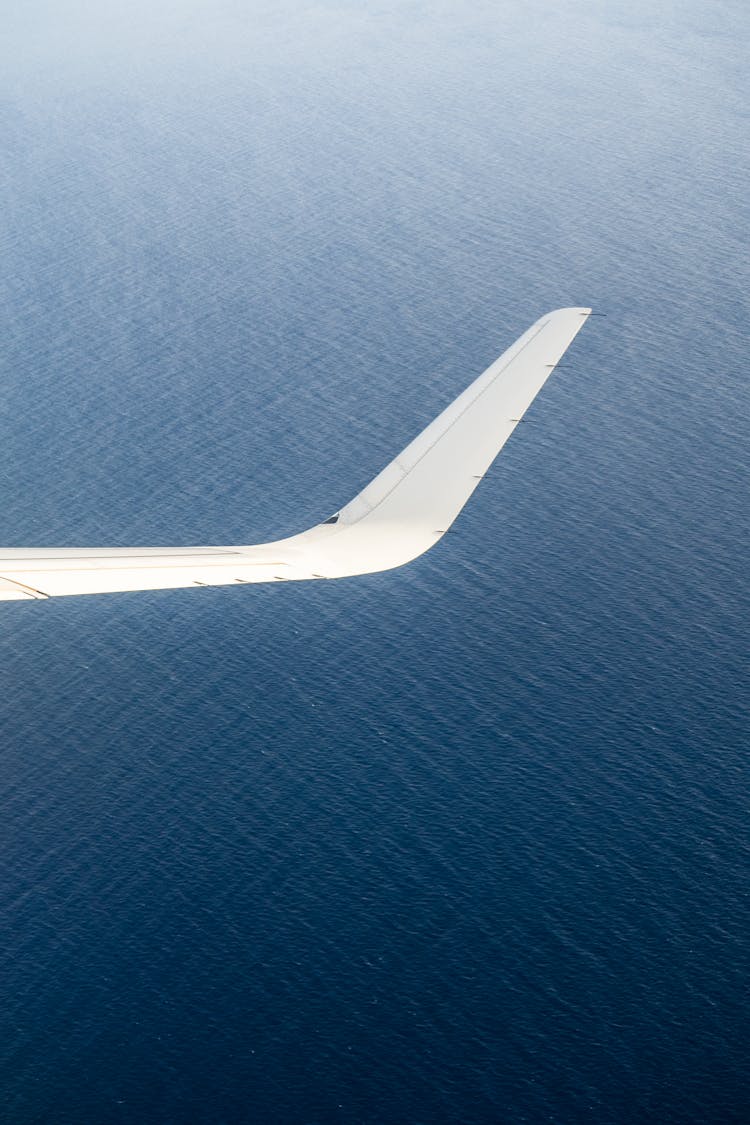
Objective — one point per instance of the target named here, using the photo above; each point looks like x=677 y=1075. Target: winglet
x=414 y=500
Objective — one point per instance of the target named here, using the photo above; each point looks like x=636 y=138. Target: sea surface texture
x=462 y=843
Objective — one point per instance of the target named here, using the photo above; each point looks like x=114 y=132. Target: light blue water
x=464 y=842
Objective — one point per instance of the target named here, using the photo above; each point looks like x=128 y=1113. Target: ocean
x=463 y=842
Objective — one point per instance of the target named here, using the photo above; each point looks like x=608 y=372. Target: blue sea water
x=467 y=842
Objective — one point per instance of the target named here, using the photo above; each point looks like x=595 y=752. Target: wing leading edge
x=403 y=512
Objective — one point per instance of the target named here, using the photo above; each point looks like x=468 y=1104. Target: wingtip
x=571 y=310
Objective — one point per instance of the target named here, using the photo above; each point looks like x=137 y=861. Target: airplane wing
x=403 y=512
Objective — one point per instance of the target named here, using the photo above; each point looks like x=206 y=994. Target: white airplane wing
x=398 y=516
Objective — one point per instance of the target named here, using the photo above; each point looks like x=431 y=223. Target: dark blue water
x=467 y=842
